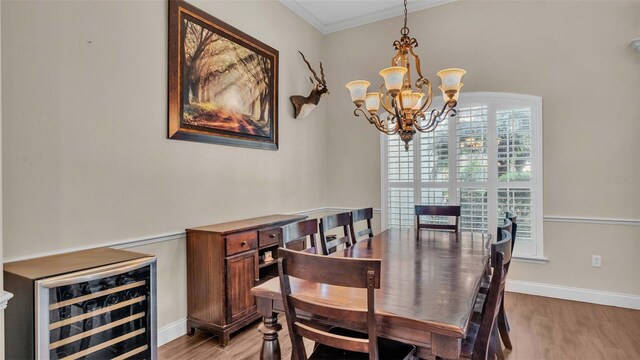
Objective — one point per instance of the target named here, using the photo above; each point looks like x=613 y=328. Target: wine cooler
x=93 y=304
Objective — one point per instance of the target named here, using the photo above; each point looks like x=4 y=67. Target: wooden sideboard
x=224 y=261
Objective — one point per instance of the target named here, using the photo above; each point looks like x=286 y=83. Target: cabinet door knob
x=244 y=243
x=272 y=235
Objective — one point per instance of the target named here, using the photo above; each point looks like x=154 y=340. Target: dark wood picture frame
x=180 y=129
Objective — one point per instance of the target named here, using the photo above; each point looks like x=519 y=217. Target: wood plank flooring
x=541 y=328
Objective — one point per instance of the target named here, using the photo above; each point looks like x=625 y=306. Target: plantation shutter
x=487 y=159
x=515 y=167
x=401 y=185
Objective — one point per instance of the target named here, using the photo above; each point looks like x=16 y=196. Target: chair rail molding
x=5 y=296
x=591 y=220
x=635 y=45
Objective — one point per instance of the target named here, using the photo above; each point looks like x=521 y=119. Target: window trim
x=536 y=182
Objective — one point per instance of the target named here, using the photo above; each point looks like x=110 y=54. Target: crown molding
x=297 y=8
x=635 y=45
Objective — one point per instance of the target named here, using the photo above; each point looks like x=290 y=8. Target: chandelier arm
x=429 y=97
x=438 y=116
x=416 y=59
x=369 y=118
x=433 y=122
x=398 y=56
x=451 y=112
x=380 y=96
x=375 y=120
x=427 y=126
x=385 y=129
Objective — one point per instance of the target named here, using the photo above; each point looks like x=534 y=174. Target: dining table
x=429 y=284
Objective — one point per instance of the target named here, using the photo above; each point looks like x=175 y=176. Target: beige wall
x=573 y=54
x=86 y=158
x=85 y=146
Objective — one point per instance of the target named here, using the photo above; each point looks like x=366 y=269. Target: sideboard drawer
x=237 y=243
x=268 y=237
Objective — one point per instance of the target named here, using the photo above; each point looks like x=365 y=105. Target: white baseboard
x=576 y=294
x=172 y=331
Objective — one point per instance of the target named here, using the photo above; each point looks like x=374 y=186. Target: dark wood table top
x=428 y=284
x=249 y=224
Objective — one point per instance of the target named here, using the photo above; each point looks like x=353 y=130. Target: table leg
x=269 y=329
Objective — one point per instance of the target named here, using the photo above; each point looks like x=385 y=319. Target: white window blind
x=471 y=138
x=488 y=159
x=474 y=209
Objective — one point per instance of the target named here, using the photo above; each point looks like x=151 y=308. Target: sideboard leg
x=270 y=344
x=191 y=328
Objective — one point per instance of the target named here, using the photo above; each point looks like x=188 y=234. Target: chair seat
x=387 y=349
x=466 y=350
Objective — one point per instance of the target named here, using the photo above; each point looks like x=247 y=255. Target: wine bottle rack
x=107 y=312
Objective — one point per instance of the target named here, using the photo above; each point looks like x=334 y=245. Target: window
x=488 y=159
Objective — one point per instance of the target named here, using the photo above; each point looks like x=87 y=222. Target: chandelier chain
x=405 y=30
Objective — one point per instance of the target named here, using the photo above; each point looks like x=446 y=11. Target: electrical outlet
x=596 y=260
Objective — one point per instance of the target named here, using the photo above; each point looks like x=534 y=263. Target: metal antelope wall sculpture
x=304 y=105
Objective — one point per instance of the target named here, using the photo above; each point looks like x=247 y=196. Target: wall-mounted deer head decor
x=304 y=105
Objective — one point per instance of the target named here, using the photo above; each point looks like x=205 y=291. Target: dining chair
x=330 y=245
x=482 y=342
x=438 y=210
x=514 y=227
x=503 y=236
x=503 y=320
x=335 y=343
x=357 y=216
x=487 y=344
x=295 y=235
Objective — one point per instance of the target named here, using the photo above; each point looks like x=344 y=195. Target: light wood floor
x=541 y=328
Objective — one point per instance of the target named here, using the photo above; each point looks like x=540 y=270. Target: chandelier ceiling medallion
x=407 y=110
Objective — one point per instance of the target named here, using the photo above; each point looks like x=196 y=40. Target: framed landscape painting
x=223 y=83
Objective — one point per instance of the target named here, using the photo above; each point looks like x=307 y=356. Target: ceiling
x=334 y=15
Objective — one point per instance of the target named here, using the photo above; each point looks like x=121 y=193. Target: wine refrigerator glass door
x=103 y=313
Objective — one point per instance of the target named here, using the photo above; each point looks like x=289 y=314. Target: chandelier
x=407 y=110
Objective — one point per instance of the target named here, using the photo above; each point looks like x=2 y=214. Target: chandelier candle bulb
x=451 y=78
x=415 y=100
x=407 y=99
x=418 y=104
x=358 y=90
x=372 y=102
x=393 y=77
x=446 y=96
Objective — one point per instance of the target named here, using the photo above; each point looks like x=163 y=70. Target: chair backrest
x=332 y=222
x=346 y=272
x=357 y=216
x=504 y=245
x=514 y=227
x=501 y=257
x=507 y=226
x=295 y=235
x=438 y=210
